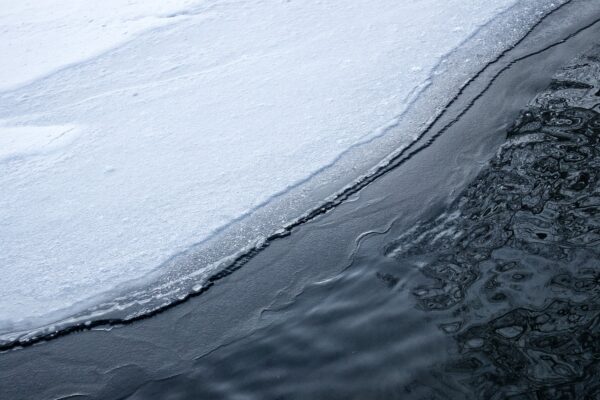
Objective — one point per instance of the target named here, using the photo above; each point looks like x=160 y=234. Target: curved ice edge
x=97 y=315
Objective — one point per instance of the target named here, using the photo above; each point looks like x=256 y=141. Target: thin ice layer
x=191 y=125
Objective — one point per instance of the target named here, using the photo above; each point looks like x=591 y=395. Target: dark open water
x=498 y=297
x=470 y=272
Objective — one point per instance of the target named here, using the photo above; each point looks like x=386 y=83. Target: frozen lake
x=135 y=131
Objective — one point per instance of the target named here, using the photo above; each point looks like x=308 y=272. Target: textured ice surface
x=38 y=36
x=119 y=159
x=23 y=141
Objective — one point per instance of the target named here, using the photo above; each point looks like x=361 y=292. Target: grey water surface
x=497 y=297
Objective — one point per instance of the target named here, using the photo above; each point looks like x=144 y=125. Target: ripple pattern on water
x=513 y=266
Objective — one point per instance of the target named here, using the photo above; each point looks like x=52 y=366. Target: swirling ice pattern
x=513 y=266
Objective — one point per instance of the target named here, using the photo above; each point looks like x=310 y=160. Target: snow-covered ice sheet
x=24 y=141
x=115 y=160
x=39 y=36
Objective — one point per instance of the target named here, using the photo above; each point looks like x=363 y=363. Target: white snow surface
x=132 y=129
x=39 y=36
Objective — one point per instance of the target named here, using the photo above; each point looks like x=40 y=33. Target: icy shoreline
x=85 y=222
